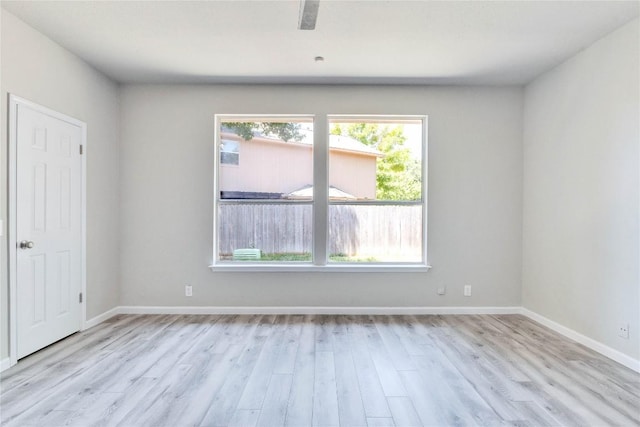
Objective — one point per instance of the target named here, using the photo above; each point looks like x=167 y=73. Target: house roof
x=346 y=143
x=306 y=192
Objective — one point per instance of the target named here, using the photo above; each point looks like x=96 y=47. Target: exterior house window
x=229 y=152
x=332 y=192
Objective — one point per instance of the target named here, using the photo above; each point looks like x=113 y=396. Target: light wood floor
x=171 y=370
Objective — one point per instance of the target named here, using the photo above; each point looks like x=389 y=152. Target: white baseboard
x=605 y=350
x=101 y=318
x=317 y=310
x=5 y=364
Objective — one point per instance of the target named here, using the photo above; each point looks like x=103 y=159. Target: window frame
x=320 y=203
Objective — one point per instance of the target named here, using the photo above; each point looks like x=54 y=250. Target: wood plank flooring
x=294 y=370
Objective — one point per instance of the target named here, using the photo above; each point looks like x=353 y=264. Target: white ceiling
x=435 y=42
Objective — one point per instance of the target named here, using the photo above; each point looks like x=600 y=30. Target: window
x=361 y=206
x=264 y=206
x=377 y=163
x=229 y=152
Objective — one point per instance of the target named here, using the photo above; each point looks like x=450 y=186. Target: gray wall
x=580 y=244
x=39 y=70
x=475 y=204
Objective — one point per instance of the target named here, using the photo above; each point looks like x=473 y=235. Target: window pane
x=267 y=165
x=375 y=233
x=266 y=160
x=371 y=160
x=373 y=163
x=264 y=232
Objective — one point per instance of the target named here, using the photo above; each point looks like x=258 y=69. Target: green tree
x=285 y=131
x=397 y=172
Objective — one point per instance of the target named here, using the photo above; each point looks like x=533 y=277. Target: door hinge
x=80 y=297
x=81 y=149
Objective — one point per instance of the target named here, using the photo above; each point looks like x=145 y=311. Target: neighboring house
x=244 y=165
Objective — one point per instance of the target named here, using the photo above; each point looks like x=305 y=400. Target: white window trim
x=332 y=268
x=320 y=203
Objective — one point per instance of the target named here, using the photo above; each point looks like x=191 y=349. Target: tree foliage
x=247 y=130
x=398 y=174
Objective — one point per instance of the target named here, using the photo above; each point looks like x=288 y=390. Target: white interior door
x=48 y=225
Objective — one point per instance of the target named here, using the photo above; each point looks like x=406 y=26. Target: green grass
x=306 y=257
x=285 y=257
x=345 y=258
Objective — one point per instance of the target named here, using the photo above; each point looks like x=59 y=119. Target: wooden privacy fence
x=362 y=230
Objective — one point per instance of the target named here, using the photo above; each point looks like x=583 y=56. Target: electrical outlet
x=623 y=330
x=188 y=290
x=467 y=290
x=442 y=290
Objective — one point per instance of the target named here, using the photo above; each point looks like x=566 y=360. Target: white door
x=48 y=228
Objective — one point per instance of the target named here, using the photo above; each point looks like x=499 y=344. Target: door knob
x=25 y=244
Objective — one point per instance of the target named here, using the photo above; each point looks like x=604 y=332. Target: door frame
x=14 y=102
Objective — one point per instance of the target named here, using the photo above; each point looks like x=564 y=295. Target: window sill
x=339 y=268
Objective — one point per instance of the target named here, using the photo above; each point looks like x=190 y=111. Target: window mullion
x=320 y=186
